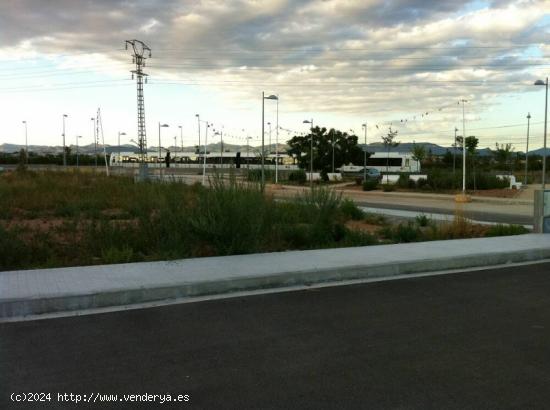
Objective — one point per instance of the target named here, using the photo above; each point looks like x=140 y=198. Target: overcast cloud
x=348 y=56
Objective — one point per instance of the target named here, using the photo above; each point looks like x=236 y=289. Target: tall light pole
x=271 y=97
x=364 y=154
x=204 y=161
x=220 y=133
x=160 y=160
x=64 y=150
x=248 y=138
x=181 y=136
x=527 y=150
x=94 y=131
x=199 y=129
x=540 y=82
x=463 y=149
x=119 y=134
x=269 y=143
x=277 y=145
x=454 y=154
x=26 y=143
x=310 y=152
x=77 y=155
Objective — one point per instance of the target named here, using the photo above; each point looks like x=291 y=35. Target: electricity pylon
x=140 y=49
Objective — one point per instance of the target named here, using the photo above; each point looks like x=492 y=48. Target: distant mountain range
x=436 y=150
x=90 y=149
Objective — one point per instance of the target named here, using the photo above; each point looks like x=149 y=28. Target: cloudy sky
x=404 y=63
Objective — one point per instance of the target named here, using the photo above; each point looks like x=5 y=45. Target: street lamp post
x=95 y=139
x=364 y=154
x=160 y=153
x=204 y=160
x=310 y=152
x=463 y=150
x=271 y=97
x=269 y=143
x=77 y=154
x=454 y=155
x=540 y=82
x=199 y=124
x=64 y=150
x=181 y=136
x=277 y=145
x=527 y=150
x=26 y=144
x=119 y=134
x=248 y=138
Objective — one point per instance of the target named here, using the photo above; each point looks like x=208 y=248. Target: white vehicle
x=394 y=162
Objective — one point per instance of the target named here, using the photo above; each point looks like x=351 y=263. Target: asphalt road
x=478 y=340
x=486 y=216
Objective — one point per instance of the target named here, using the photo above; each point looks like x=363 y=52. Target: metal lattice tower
x=140 y=49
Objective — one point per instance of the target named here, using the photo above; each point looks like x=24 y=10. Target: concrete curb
x=128 y=291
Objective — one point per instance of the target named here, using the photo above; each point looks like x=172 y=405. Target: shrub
x=370 y=184
x=405 y=181
x=375 y=219
x=388 y=187
x=421 y=183
x=350 y=210
x=230 y=217
x=506 y=230
x=298 y=176
x=402 y=233
x=422 y=220
x=255 y=175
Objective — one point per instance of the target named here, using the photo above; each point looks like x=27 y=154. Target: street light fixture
x=310 y=152
x=540 y=82
x=275 y=98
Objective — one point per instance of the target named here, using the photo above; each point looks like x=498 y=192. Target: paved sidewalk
x=35 y=292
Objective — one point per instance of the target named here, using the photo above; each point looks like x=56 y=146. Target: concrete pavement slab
x=35 y=292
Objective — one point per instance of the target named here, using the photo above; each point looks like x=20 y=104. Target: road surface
x=469 y=340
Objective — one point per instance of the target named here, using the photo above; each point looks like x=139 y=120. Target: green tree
x=418 y=152
x=346 y=149
x=389 y=143
x=471 y=143
x=503 y=155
